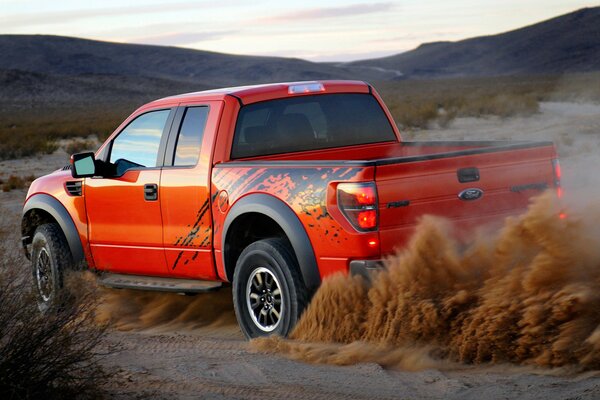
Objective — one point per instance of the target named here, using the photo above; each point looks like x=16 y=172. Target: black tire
x=50 y=258
x=263 y=260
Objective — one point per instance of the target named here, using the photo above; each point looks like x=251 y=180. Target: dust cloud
x=128 y=310
x=529 y=295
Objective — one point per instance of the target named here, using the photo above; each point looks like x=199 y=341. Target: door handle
x=151 y=191
x=468 y=175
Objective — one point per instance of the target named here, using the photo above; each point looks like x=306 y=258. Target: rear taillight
x=557 y=176
x=358 y=203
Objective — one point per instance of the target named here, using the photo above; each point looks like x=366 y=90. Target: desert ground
x=174 y=346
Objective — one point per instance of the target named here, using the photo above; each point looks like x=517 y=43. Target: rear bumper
x=365 y=268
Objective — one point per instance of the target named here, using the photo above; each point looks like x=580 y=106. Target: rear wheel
x=50 y=257
x=268 y=292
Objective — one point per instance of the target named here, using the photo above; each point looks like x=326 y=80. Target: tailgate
x=472 y=188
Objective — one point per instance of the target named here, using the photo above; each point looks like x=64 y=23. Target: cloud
x=62 y=17
x=181 y=38
x=330 y=12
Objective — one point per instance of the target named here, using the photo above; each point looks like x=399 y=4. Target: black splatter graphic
x=187 y=241
x=303 y=189
x=177 y=259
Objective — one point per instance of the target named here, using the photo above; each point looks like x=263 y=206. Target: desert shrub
x=422 y=114
x=18 y=146
x=27 y=133
x=413 y=114
x=445 y=117
x=51 y=356
x=16 y=182
x=501 y=105
x=422 y=103
x=582 y=87
x=80 y=145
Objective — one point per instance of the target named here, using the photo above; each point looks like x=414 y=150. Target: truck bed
x=424 y=178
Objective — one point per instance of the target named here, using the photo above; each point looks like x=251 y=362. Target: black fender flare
x=55 y=208
x=283 y=215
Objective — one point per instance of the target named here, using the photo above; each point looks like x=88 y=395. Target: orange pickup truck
x=269 y=187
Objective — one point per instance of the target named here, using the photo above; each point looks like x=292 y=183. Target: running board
x=122 y=281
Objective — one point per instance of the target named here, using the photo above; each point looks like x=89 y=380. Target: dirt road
x=190 y=347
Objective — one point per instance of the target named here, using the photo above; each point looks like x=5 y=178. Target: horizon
x=270 y=29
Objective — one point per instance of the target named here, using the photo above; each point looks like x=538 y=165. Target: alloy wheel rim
x=43 y=273
x=264 y=299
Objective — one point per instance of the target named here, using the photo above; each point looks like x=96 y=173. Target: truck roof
x=256 y=93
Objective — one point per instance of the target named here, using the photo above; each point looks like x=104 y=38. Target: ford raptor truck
x=270 y=188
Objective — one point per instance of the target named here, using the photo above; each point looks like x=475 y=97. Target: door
x=124 y=215
x=186 y=206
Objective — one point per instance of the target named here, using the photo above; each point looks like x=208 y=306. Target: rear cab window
x=311 y=122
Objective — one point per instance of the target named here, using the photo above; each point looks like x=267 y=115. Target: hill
x=67 y=56
x=565 y=44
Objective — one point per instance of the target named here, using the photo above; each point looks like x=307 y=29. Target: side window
x=137 y=145
x=189 y=139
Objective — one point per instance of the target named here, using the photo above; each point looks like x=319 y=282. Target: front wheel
x=268 y=292
x=50 y=257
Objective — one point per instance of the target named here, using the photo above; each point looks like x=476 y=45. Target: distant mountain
x=24 y=90
x=66 y=56
x=54 y=71
x=568 y=43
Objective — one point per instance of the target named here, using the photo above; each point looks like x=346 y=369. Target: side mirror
x=83 y=165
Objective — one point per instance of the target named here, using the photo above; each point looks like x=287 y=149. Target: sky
x=323 y=30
